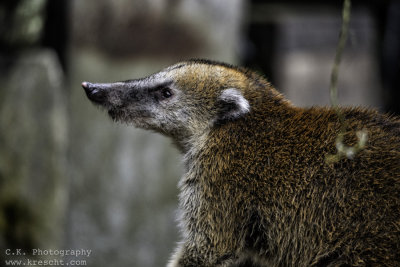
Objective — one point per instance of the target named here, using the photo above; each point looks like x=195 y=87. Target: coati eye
x=161 y=92
x=166 y=93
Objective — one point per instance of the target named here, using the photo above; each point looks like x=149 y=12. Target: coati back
x=257 y=187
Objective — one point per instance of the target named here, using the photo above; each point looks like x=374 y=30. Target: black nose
x=94 y=92
x=85 y=85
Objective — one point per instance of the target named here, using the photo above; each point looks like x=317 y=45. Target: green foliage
x=342 y=149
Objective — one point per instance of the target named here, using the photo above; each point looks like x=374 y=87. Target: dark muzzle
x=96 y=92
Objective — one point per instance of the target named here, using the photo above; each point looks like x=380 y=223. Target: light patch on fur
x=233 y=95
x=236 y=105
x=174 y=261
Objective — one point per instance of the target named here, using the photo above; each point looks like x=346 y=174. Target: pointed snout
x=96 y=92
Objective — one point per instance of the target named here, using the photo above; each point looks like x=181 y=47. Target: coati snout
x=96 y=92
x=178 y=101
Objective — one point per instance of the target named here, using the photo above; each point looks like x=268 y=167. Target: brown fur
x=257 y=188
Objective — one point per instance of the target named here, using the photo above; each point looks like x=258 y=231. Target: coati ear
x=232 y=105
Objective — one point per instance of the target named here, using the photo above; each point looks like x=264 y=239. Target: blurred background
x=70 y=178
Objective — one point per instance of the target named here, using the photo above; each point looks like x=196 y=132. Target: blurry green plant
x=342 y=149
x=21 y=22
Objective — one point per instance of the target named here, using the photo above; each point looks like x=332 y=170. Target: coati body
x=257 y=187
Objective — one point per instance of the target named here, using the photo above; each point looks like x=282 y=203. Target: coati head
x=180 y=101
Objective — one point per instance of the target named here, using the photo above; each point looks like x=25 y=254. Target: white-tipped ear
x=232 y=105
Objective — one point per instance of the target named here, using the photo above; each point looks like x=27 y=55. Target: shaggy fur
x=257 y=189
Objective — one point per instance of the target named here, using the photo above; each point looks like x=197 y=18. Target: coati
x=257 y=188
